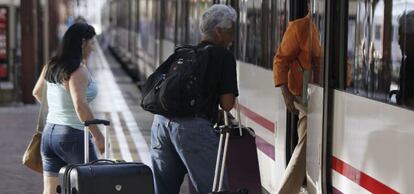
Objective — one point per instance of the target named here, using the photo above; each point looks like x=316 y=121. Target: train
x=359 y=136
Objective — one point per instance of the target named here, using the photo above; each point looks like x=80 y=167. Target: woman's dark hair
x=69 y=54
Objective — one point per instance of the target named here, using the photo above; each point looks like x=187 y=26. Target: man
x=297 y=52
x=181 y=145
x=405 y=96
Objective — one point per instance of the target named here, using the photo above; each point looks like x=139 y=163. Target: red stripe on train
x=360 y=178
x=261 y=144
x=338 y=165
x=265 y=147
x=269 y=125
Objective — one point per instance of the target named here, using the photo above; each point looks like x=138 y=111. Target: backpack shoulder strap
x=166 y=64
x=183 y=47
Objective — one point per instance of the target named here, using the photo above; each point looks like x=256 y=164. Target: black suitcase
x=105 y=176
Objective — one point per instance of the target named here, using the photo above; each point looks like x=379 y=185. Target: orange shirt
x=293 y=55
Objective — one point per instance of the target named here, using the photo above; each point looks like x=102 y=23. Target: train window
x=318 y=33
x=122 y=24
x=197 y=8
x=281 y=11
x=133 y=26
x=130 y=26
x=137 y=28
x=123 y=16
x=379 y=49
x=251 y=32
x=143 y=33
x=193 y=23
x=235 y=4
x=143 y=27
x=266 y=34
x=152 y=15
x=203 y=6
x=169 y=29
x=273 y=22
x=159 y=30
x=181 y=22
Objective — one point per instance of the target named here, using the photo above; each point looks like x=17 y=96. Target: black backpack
x=175 y=88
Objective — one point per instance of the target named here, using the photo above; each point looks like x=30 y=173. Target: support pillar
x=29 y=48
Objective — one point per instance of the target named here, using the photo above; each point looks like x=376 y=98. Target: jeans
x=63 y=145
x=180 y=146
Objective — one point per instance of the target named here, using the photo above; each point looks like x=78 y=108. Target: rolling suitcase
x=105 y=176
x=245 y=169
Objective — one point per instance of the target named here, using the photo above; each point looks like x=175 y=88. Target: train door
x=373 y=98
x=314 y=97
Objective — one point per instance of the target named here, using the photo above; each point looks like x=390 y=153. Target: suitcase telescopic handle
x=86 y=136
x=222 y=152
x=221 y=162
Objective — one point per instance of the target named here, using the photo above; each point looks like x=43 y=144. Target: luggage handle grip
x=96 y=122
x=102 y=161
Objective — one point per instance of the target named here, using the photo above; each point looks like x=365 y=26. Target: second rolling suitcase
x=105 y=176
x=243 y=171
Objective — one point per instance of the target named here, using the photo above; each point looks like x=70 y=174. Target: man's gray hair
x=218 y=15
x=406 y=21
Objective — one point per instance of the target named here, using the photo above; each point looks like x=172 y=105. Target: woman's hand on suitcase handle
x=100 y=143
x=99 y=138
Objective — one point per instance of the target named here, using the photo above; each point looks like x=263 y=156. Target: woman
x=70 y=88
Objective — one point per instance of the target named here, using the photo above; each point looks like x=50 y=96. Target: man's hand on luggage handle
x=289 y=99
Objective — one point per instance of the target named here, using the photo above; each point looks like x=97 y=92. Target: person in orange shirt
x=299 y=51
x=293 y=57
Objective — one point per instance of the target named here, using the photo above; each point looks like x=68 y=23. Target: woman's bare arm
x=38 y=89
x=78 y=83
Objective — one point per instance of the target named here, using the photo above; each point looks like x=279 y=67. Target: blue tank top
x=61 y=109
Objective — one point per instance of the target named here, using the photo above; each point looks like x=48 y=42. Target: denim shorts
x=63 y=145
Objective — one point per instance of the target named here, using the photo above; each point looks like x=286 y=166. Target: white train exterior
x=358 y=141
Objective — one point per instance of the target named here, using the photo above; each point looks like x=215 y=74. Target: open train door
x=315 y=96
x=327 y=17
